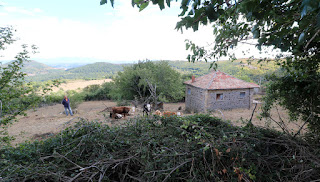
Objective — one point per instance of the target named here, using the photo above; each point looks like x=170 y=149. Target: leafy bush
x=134 y=81
x=193 y=148
x=97 y=92
x=56 y=97
x=296 y=89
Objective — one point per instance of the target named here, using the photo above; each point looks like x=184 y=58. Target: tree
x=16 y=96
x=292 y=26
x=134 y=82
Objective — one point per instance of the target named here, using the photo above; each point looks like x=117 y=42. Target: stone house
x=218 y=90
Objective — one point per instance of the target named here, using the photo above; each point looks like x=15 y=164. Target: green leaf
x=161 y=4
x=112 y=2
x=255 y=31
x=102 y=2
x=220 y=1
x=318 y=19
x=256 y=34
x=195 y=26
x=307 y=6
x=212 y=14
x=144 y=5
x=168 y=3
x=305 y=11
x=185 y=2
x=301 y=37
x=184 y=10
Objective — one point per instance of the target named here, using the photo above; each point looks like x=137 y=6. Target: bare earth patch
x=79 y=84
x=50 y=120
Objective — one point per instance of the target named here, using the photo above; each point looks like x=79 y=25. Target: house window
x=242 y=95
x=219 y=97
x=189 y=91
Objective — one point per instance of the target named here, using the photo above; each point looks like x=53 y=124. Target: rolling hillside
x=252 y=72
x=99 y=67
x=33 y=68
x=90 y=71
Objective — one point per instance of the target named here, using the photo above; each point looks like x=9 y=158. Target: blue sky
x=80 y=29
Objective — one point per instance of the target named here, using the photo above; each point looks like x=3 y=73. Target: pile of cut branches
x=194 y=148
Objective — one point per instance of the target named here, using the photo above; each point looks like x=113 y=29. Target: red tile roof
x=218 y=80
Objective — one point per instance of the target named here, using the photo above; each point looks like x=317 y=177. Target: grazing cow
x=158 y=105
x=116 y=116
x=119 y=110
x=169 y=113
x=146 y=109
x=158 y=113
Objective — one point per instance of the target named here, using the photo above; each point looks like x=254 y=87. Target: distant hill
x=66 y=65
x=99 y=67
x=90 y=71
x=185 y=67
x=32 y=68
x=252 y=72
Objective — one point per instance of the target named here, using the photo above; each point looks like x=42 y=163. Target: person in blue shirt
x=66 y=104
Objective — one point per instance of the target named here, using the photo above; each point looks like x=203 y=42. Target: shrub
x=56 y=97
x=194 y=148
x=97 y=92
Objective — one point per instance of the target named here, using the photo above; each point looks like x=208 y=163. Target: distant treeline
x=250 y=71
x=253 y=72
x=87 y=72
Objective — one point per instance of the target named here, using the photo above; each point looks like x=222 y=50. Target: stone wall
x=195 y=99
x=239 y=98
x=201 y=100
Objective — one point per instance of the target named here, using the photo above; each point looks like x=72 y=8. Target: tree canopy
x=135 y=82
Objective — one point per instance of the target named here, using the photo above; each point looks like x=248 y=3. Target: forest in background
x=242 y=69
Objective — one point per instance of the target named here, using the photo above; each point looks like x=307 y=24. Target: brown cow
x=119 y=110
x=158 y=113
x=169 y=113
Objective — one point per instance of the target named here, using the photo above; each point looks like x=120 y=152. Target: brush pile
x=192 y=148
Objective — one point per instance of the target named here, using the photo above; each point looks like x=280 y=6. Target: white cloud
x=37 y=10
x=125 y=34
x=130 y=36
x=3 y=14
x=13 y=9
x=20 y=10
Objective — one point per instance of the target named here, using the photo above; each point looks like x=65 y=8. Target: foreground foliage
x=194 y=148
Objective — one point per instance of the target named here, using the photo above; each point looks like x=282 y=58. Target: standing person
x=66 y=104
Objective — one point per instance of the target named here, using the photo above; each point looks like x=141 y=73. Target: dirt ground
x=49 y=120
x=79 y=84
